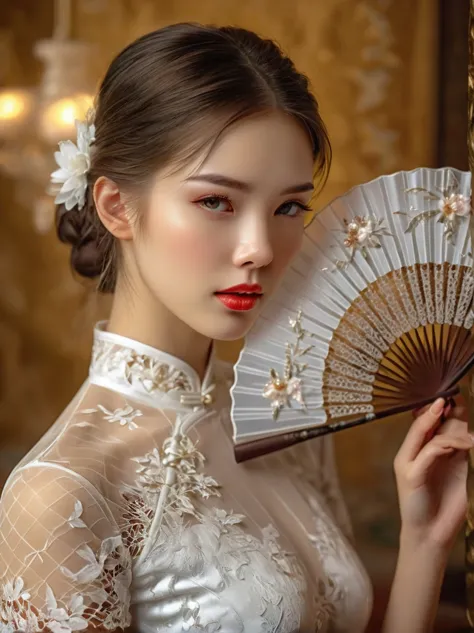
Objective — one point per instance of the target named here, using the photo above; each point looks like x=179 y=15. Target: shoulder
x=50 y=496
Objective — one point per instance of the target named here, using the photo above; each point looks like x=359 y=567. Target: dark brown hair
x=164 y=98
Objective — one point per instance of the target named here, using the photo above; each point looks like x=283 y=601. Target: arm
x=431 y=471
x=63 y=566
x=415 y=590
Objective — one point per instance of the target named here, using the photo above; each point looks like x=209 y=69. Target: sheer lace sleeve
x=62 y=562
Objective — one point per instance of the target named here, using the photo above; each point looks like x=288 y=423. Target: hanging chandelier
x=33 y=121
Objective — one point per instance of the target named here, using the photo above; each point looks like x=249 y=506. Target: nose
x=254 y=249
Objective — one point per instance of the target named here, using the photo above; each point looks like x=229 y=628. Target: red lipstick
x=241 y=297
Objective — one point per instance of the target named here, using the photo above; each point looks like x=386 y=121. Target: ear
x=112 y=210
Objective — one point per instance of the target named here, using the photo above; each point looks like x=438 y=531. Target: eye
x=216 y=204
x=292 y=208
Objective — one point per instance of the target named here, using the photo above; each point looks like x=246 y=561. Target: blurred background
x=391 y=79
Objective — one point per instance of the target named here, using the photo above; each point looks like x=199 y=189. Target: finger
x=417 y=434
x=453 y=426
x=438 y=447
x=449 y=407
x=418 y=412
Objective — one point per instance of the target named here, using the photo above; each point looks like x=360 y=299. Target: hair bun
x=87 y=260
x=68 y=225
x=77 y=228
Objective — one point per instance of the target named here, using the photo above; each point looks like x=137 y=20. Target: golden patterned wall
x=372 y=64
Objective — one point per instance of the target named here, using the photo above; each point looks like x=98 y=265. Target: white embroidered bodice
x=132 y=512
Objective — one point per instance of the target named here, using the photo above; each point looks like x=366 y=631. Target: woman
x=187 y=201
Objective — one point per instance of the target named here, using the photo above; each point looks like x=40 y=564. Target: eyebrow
x=226 y=181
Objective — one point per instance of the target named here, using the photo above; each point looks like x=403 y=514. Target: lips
x=248 y=289
x=240 y=298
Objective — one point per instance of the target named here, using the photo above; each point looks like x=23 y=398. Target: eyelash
x=304 y=207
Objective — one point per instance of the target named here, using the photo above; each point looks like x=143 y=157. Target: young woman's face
x=236 y=219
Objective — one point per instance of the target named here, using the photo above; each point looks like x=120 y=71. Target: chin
x=231 y=327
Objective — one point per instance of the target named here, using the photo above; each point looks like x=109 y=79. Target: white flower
x=364 y=232
x=65 y=620
x=13 y=591
x=95 y=563
x=74 y=163
x=455 y=203
x=124 y=416
x=282 y=392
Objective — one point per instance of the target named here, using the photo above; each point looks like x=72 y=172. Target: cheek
x=288 y=245
x=180 y=242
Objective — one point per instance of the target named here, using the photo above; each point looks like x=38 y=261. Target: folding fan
x=373 y=317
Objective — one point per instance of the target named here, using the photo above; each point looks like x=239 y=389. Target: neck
x=146 y=320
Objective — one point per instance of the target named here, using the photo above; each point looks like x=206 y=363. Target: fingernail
x=437 y=406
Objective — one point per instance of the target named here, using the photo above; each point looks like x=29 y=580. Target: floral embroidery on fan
x=451 y=208
x=124 y=416
x=138 y=370
x=361 y=234
x=283 y=391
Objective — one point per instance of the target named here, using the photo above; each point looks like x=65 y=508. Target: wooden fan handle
x=257 y=448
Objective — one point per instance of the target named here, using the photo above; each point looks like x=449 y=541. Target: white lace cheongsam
x=132 y=512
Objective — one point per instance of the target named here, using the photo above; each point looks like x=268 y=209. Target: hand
x=431 y=473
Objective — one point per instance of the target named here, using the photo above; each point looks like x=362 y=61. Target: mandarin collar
x=148 y=374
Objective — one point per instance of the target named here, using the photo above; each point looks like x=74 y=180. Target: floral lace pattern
x=141 y=371
x=125 y=416
x=104 y=579
x=191 y=534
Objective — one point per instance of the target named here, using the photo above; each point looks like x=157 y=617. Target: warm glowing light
x=15 y=106
x=11 y=105
x=57 y=121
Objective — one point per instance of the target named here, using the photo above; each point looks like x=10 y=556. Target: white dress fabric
x=132 y=512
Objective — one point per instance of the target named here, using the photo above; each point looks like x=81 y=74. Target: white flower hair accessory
x=74 y=162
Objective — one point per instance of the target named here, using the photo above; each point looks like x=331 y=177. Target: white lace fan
x=374 y=316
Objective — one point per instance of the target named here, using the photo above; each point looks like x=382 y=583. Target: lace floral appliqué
x=105 y=579
x=196 y=535
x=125 y=416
